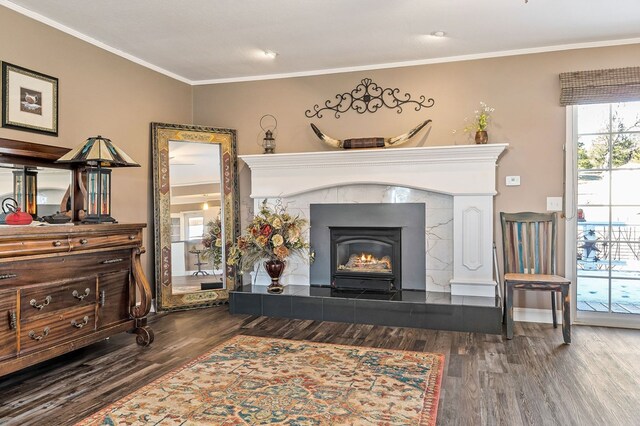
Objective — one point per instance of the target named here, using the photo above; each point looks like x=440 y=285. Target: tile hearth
x=407 y=308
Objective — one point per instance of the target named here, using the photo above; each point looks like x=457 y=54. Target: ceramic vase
x=274 y=268
x=482 y=137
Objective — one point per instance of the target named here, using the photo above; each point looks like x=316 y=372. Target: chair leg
x=566 y=314
x=553 y=309
x=509 y=310
x=504 y=302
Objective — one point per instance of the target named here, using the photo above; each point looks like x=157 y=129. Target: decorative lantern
x=96 y=154
x=25 y=190
x=268 y=142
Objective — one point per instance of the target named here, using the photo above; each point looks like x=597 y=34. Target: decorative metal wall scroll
x=369 y=97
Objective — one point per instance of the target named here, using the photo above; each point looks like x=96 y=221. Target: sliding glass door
x=606 y=222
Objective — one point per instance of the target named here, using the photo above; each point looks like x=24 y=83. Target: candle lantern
x=25 y=190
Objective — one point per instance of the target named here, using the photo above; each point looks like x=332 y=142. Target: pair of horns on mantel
x=376 y=142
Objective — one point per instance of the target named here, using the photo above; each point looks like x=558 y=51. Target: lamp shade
x=97 y=155
x=98 y=150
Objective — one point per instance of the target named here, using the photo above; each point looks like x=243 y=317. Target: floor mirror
x=196 y=209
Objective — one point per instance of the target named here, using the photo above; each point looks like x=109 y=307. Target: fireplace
x=459 y=233
x=366 y=258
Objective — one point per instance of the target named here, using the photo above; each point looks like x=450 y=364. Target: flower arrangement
x=273 y=234
x=481 y=120
x=212 y=242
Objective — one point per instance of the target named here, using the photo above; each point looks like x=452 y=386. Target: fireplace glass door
x=365 y=258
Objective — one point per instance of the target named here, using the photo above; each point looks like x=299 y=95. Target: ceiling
x=213 y=41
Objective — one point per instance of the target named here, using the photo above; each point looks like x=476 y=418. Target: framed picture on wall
x=29 y=100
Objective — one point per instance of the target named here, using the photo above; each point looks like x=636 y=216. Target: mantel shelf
x=453 y=170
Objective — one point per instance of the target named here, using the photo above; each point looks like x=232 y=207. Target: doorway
x=603 y=234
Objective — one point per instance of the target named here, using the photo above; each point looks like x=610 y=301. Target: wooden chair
x=529 y=246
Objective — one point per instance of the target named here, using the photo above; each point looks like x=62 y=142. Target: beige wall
x=99 y=93
x=524 y=90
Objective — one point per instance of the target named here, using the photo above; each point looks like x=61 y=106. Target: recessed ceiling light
x=438 y=34
x=270 y=54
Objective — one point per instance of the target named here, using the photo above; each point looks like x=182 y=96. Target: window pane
x=625 y=152
x=592 y=256
x=593 y=188
x=593 y=216
x=195 y=227
x=593 y=294
x=628 y=216
x=624 y=260
x=593 y=152
x=624 y=187
x=625 y=296
x=593 y=118
x=626 y=116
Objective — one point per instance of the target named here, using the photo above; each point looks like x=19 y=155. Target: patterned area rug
x=256 y=381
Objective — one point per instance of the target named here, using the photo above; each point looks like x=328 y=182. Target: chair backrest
x=529 y=242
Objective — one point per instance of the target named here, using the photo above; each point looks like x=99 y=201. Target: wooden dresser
x=65 y=287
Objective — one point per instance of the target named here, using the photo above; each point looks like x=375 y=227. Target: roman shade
x=600 y=86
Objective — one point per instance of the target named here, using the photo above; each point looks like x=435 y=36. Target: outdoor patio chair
x=529 y=247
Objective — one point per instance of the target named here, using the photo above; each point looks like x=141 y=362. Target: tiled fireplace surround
x=456 y=184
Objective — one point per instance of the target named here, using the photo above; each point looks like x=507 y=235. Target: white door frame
x=570 y=198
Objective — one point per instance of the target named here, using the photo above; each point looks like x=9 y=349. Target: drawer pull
x=109 y=261
x=34 y=303
x=7 y=276
x=78 y=296
x=13 y=320
x=36 y=337
x=84 y=322
x=103 y=297
x=57 y=243
x=84 y=241
x=132 y=237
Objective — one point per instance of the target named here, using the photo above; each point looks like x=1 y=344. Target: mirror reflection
x=196 y=217
x=39 y=191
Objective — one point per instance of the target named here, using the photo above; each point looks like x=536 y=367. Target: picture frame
x=29 y=100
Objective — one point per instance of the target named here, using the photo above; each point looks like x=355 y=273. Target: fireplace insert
x=365 y=258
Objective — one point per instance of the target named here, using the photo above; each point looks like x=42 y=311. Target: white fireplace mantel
x=467 y=172
x=454 y=170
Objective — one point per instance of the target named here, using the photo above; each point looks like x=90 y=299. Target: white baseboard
x=535 y=315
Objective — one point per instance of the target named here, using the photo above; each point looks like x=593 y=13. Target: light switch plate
x=513 y=181
x=554 y=204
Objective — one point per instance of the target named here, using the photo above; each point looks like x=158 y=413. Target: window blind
x=600 y=86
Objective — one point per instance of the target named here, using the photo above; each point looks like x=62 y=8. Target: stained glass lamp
x=98 y=154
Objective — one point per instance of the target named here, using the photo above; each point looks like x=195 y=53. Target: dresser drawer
x=58 y=268
x=96 y=241
x=47 y=298
x=27 y=246
x=45 y=331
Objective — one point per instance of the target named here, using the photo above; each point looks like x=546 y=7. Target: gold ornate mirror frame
x=162 y=134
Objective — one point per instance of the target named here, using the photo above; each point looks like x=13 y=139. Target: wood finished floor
x=531 y=380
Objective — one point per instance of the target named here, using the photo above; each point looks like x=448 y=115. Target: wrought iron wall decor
x=369 y=97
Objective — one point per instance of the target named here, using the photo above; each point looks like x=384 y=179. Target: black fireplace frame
x=349 y=280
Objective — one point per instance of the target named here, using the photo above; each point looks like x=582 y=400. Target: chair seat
x=536 y=279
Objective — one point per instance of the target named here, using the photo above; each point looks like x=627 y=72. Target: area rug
x=257 y=381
